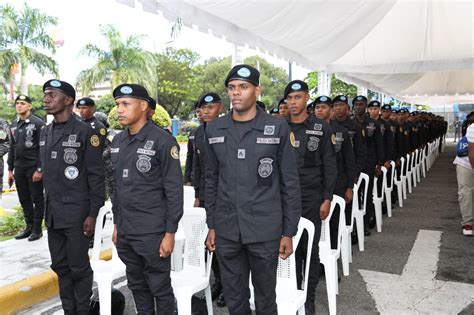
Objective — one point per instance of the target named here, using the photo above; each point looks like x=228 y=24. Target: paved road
x=433 y=207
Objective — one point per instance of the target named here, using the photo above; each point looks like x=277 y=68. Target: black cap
x=323 y=99
x=387 y=107
x=24 y=98
x=131 y=91
x=86 y=101
x=359 y=98
x=195 y=105
x=261 y=104
x=295 y=86
x=244 y=73
x=62 y=86
x=152 y=103
x=274 y=110
x=310 y=105
x=208 y=98
x=341 y=99
x=282 y=101
x=374 y=104
x=403 y=110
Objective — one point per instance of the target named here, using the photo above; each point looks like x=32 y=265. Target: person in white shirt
x=465 y=176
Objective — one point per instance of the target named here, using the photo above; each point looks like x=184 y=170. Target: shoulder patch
x=174 y=152
x=95 y=141
x=333 y=139
x=102 y=131
x=292 y=139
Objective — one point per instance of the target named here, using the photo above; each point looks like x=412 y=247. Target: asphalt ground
x=432 y=206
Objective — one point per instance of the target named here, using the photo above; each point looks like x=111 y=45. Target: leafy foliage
x=12 y=224
x=161 y=118
x=105 y=103
x=338 y=87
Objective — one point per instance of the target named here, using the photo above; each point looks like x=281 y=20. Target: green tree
x=214 y=72
x=178 y=74
x=160 y=117
x=338 y=87
x=25 y=38
x=35 y=92
x=122 y=61
x=105 y=103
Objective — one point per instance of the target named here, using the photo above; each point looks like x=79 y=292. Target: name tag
x=114 y=150
x=72 y=144
x=314 y=132
x=191 y=137
x=268 y=140
x=216 y=140
x=42 y=143
x=146 y=152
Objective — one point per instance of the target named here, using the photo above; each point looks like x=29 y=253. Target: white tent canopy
x=416 y=51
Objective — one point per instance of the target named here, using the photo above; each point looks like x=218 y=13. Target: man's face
x=386 y=114
x=86 y=112
x=198 y=113
x=22 y=107
x=360 y=108
x=55 y=102
x=401 y=118
x=341 y=110
x=243 y=95
x=297 y=102
x=284 y=112
x=374 y=112
x=211 y=111
x=130 y=110
x=323 y=111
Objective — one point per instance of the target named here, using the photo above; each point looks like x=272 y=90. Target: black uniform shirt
x=388 y=136
x=188 y=167
x=373 y=137
x=99 y=129
x=199 y=163
x=148 y=188
x=73 y=173
x=358 y=143
x=346 y=167
x=24 y=142
x=252 y=187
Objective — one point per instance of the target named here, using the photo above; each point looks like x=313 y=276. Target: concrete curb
x=38 y=288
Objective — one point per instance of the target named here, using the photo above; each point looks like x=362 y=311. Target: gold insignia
x=175 y=153
x=95 y=141
x=406 y=132
x=102 y=131
x=363 y=132
x=292 y=139
x=401 y=129
x=333 y=139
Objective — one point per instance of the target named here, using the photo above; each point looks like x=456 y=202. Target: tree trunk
x=23 y=83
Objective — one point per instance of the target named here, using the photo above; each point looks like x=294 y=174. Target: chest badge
x=71 y=172
x=143 y=163
x=265 y=168
x=292 y=139
x=269 y=130
x=313 y=144
x=70 y=156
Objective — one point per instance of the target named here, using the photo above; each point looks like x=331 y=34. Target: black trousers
x=300 y=254
x=30 y=195
x=148 y=274
x=236 y=261
x=70 y=261
x=214 y=263
x=370 y=209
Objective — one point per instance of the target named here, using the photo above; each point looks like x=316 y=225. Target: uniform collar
x=141 y=135
x=256 y=121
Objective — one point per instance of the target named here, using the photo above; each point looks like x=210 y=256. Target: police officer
x=4 y=146
x=24 y=167
x=316 y=159
x=148 y=200
x=375 y=154
x=188 y=167
x=275 y=112
x=283 y=109
x=252 y=195
x=73 y=179
x=211 y=106
x=346 y=168
x=86 y=109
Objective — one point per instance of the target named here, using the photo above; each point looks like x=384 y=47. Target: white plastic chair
x=105 y=271
x=289 y=298
x=414 y=163
x=349 y=228
x=399 y=182
x=342 y=241
x=377 y=200
x=418 y=165
x=389 y=189
x=188 y=197
x=423 y=162
x=360 y=211
x=196 y=271
x=329 y=257
x=409 y=171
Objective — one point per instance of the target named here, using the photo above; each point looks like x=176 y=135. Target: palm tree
x=23 y=38
x=123 y=61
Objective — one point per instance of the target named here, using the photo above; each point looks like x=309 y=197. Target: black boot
x=37 y=232
x=220 y=301
x=25 y=233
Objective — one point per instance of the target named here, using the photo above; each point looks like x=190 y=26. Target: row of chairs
x=196 y=261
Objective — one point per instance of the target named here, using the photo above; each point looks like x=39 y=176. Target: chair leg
x=404 y=187
x=302 y=310
x=209 y=300
x=388 y=200
x=360 y=232
x=184 y=303
x=378 y=213
x=105 y=297
x=409 y=177
x=330 y=287
x=349 y=248
x=345 y=253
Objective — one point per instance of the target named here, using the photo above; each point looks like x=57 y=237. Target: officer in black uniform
x=314 y=147
x=375 y=153
x=24 y=167
x=346 y=167
x=188 y=167
x=73 y=178
x=275 y=112
x=4 y=146
x=252 y=195
x=147 y=201
x=86 y=109
x=211 y=106
x=283 y=110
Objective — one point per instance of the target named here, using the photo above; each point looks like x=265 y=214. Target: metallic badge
x=95 y=141
x=28 y=143
x=72 y=138
x=241 y=154
x=143 y=163
x=333 y=139
x=269 y=130
x=312 y=144
x=71 y=172
x=174 y=152
x=265 y=168
x=148 y=144
x=382 y=129
x=54 y=154
x=318 y=127
x=102 y=131
x=70 y=156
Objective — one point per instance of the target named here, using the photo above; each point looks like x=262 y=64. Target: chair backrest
x=286 y=271
x=392 y=176
x=408 y=164
x=195 y=230
x=188 y=197
x=363 y=178
x=402 y=167
x=101 y=230
x=414 y=156
x=355 y=203
x=341 y=203
x=375 y=188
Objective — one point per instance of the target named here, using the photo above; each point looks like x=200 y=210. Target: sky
x=79 y=23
